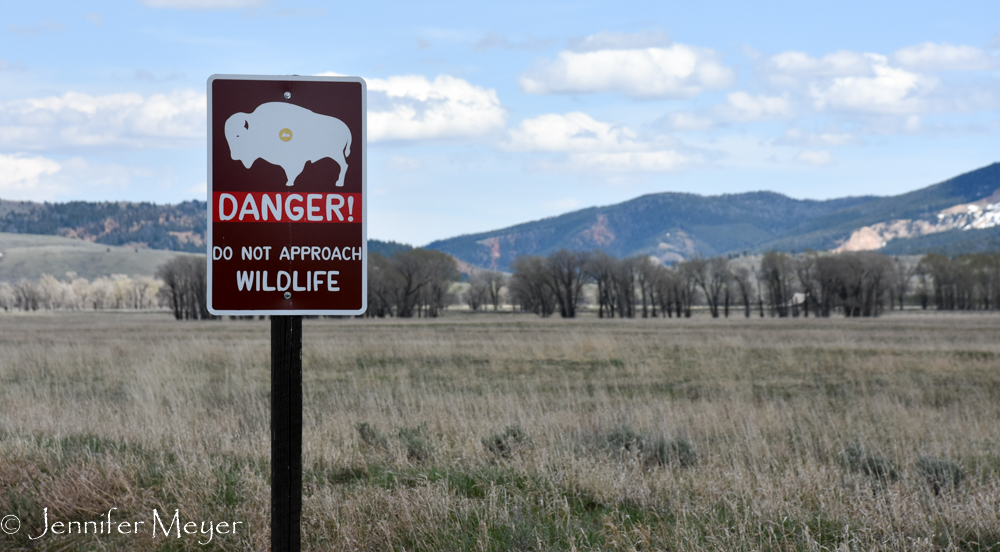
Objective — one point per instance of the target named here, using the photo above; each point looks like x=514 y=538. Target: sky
x=485 y=115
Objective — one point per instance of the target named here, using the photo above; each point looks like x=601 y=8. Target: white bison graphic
x=287 y=135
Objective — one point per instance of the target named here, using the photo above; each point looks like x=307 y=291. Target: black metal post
x=286 y=433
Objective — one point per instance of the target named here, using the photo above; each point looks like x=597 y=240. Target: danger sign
x=286 y=195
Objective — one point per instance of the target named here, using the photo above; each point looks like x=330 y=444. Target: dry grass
x=510 y=432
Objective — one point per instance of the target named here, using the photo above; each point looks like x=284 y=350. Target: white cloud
x=574 y=131
x=891 y=90
x=929 y=56
x=869 y=83
x=631 y=161
x=203 y=4
x=80 y=172
x=621 y=41
x=742 y=107
x=676 y=71
x=687 y=122
x=39 y=178
x=411 y=107
x=128 y=120
x=591 y=145
x=837 y=64
x=22 y=173
x=796 y=136
x=819 y=158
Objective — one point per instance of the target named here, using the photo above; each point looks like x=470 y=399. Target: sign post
x=286 y=432
x=287 y=233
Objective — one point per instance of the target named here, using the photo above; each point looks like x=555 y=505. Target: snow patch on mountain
x=977 y=215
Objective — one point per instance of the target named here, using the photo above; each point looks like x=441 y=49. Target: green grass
x=29 y=256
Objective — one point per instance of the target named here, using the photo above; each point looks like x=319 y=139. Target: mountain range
x=959 y=215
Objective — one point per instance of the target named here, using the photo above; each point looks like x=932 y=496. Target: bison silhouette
x=287 y=135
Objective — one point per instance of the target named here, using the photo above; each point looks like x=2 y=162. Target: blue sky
x=487 y=115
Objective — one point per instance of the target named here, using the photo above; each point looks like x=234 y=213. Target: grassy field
x=503 y=432
x=29 y=256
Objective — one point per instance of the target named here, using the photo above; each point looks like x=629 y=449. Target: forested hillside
x=178 y=227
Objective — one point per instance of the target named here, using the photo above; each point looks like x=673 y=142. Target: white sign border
x=364 y=200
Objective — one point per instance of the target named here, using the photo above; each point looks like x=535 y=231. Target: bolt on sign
x=287 y=231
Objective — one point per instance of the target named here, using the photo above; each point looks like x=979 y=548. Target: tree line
x=185 y=287
x=420 y=283
x=118 y=291
x=853 y=284
x=180 y=285
x=410 y=283
x=964 y=282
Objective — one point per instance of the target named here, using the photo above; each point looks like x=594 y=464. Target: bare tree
x=54 y=294
x=495 y=282
x=902 y=275
x=776 y=270
x=987 y=268
x=624 y=279
x=665 y=290
x=645 y=278
x=566 y=277
x=805 y=271
x=964 y=282
x=143 y=290
x=411 y=277
x=382 y=281
x=863 y=279
x=81 y=288
x=27 y=295
x=7 y=297
x=942 y=273
x=98 y=293
x=744 y=285
x=601 y=269
x=923 y=285
x=529 y=285
x=478 y=294
x=826 y=283
x=441 y=271
x=185 y=287
x=687 y=286
x=712 y=276
x=414 y=282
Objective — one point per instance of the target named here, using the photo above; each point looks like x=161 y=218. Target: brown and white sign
x=286 y=195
